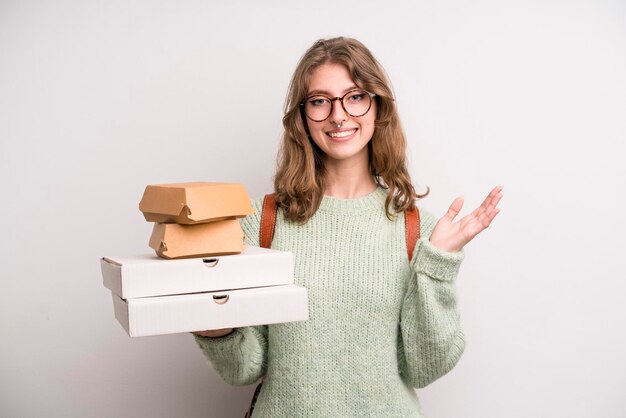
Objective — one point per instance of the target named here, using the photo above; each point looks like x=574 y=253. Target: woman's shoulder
x=251 y=224
x=257 y=204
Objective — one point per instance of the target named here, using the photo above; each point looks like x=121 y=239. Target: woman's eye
x=318 y=101
x=356 y=97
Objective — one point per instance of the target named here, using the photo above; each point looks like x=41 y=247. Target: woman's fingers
x=491 y=210
x=488 y=218
x=493 y=196
x=214 y=333
x=454 y=208
x=494 y=202
x=452 y=236
x=482 y=216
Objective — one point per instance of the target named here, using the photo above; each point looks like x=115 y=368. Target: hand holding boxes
x=153 y=296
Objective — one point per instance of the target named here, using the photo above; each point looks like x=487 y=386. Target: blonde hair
x=299 y=182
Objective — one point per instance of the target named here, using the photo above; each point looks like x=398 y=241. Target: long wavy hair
x=299 y=182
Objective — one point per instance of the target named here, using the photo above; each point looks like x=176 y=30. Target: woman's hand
x=452 y=236
x=214 y=333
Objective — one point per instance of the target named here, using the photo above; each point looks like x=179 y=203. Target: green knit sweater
x=378 y=325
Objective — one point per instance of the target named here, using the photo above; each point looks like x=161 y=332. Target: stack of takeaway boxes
x=203 y=275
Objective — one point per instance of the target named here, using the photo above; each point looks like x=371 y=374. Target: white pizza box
x=148 y=275
x=211 y=310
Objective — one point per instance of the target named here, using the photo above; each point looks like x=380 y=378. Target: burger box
x=153 y=296
x=192 y=203
x=213 y=238
x=211 y=310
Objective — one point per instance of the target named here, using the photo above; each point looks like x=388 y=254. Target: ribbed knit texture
x=379 y=326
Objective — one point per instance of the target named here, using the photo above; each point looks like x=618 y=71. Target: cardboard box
x=213 y=238
x=192 y=203
x=148 y=275
x=213 y=310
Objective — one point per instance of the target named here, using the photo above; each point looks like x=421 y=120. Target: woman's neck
x=348 y=180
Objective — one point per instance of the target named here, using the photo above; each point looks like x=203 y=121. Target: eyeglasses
x=318 y=107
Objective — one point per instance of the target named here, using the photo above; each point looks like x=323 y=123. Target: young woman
x=380 y=324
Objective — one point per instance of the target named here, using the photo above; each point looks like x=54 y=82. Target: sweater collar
x=373 y=200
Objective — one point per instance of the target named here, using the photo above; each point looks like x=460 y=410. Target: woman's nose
x=337 y=114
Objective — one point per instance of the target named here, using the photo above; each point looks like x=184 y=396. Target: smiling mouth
x=341 y=134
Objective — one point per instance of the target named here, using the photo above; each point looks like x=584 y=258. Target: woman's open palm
x=452 y=236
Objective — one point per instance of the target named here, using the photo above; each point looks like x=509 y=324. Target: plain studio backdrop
x=99 y=99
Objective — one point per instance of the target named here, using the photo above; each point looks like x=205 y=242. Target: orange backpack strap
x=268 y=220
x=412 y=230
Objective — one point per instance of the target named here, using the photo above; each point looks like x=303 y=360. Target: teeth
x=341 y=134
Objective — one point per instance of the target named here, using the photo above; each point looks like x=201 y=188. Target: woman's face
x=349 y=142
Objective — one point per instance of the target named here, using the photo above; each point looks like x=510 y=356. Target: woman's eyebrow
x=327 y=93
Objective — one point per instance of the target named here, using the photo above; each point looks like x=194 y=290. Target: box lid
x=195 y=202
x=148 y=275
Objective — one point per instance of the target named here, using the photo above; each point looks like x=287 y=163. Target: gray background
x=99 y=99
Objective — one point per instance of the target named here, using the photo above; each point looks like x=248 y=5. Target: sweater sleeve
x=240 y=358
x=430 y=341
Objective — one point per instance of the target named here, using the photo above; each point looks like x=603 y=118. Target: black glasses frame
x=332 y=104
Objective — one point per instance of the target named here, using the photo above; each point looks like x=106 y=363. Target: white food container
x=153 y=296
x=211 y=310
x=148 y=275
